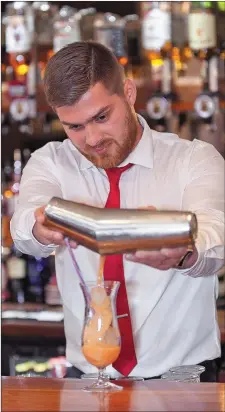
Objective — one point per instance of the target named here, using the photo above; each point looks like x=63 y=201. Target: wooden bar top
x=66 y=395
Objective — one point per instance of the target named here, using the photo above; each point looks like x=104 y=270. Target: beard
x=121 y=149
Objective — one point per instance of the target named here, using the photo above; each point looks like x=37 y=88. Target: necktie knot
x=114 y=173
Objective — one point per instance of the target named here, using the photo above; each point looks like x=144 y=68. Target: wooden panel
x=23 y=328
x=32 y=328
x=38 y=394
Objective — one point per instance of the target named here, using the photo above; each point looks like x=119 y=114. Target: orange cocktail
x=101 y=355
x=101 y=337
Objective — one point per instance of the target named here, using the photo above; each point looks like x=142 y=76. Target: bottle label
x=156 y=29
x=17 y=36
x=113 y=38
x=202 y=31
x=16 y=268
x=16 y=90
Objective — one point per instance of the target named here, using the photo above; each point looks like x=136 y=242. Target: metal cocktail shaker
x=111 y=231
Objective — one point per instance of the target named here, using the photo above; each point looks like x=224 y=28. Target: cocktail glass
x=101 y=340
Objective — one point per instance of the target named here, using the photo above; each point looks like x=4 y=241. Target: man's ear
x=130 y=91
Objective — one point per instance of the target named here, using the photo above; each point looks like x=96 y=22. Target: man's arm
x=38 y=185
x=203 y=195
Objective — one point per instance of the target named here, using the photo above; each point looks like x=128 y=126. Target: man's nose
x=92 y=134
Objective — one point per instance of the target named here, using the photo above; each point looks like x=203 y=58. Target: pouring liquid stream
x=100 y=276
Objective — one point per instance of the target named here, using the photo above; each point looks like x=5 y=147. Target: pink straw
x=77 y=269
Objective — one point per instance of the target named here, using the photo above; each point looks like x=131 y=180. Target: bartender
x=112 y=158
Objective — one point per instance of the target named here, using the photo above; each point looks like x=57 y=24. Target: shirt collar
x=142 y=155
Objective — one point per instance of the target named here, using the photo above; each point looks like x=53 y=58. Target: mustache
x=101 y=144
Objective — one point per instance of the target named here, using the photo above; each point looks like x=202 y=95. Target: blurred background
x=175 y=53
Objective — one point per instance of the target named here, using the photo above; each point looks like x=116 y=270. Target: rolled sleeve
x=38 y=185
x=204 y=195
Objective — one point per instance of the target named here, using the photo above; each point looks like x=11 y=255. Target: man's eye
x=101 y=118
x=75 y=127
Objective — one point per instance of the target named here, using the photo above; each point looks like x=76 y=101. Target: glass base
x=95 y=376
x=102 y=386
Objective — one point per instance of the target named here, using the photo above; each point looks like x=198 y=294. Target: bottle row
x=156 y=46
x=198 y=25
x=27 y=279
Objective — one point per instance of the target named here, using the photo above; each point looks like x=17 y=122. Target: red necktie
x=113 y=270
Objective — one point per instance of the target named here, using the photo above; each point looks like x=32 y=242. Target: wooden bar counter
x=66 y=395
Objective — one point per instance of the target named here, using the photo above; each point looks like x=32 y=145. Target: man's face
x=101 y=126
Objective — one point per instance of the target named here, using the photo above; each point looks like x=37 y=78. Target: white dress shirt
x=173 y=312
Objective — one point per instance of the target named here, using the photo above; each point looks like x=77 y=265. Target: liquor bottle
x=220 y=23
x=134 y=68
x=222 y=71
x=43 y=12
x=6 y=235
x=87 y=17
x=4 y=86
x=202 y=40
x=156 y=31
x=5 y=123
x=202 y=29
x=66 y=28
x=16 y=269
x=4 y=274
x=109 y=30
x=181 y=52
x=26 y=156
x=181 y=55
x=157 y=48
x=52 y=295
x=18 y=58
x=38 y=275
x=12 y=191
x=10 y=194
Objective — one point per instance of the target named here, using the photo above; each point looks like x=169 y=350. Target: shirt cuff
x=31 y=223
x=194 y=268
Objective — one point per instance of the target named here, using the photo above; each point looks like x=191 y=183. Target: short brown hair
x=77 y=67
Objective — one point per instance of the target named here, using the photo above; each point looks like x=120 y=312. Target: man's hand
x=165 y=259
x=47 y=236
